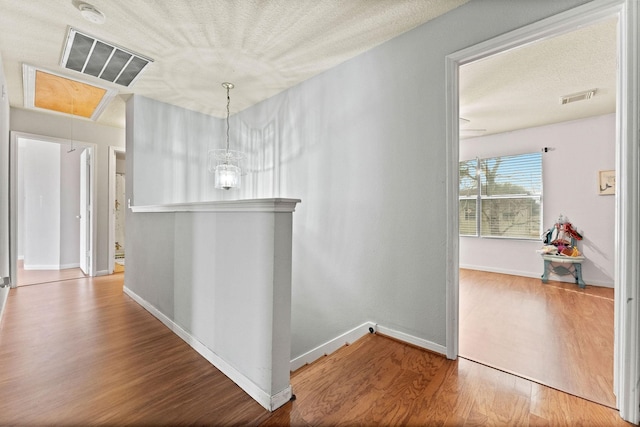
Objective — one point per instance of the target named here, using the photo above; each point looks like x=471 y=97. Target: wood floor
x=33 y=277
x=556 y=334
x=379 y=381
x=81 y=352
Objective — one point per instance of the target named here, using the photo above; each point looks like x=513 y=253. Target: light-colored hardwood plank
x=380 y=381
x=81 y=352
x=556 y=333
x=34 y=277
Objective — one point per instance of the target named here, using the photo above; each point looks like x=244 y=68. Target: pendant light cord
x=73 y=111
x=228 y=103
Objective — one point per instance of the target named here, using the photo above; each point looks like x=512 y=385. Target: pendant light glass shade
x=224 y=163
x=227 y=177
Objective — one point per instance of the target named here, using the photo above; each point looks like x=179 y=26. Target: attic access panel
x=88 y=55
x=47 y=90
x=66 y=96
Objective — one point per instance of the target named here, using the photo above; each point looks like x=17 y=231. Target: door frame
x=86 y=211
x=627 y=268
x=113 y=151
x=14 y=139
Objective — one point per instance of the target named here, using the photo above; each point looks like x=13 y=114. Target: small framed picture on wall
x=606 y=182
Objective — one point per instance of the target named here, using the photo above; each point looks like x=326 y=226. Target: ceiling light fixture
x=223 y=162
x=91 y=14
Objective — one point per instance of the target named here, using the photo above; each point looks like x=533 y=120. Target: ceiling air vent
x=580 y=96
x=88 y=55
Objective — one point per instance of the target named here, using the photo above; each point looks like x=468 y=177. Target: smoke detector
x=580 y=96
x=91 y=14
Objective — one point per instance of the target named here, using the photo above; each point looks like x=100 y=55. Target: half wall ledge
x=247 y=205
x=218 y=274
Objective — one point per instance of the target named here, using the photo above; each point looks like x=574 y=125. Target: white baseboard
x=269 y=402
x=273 y=402
x=503 y=270
x=50 y=267
x=65 y=266
x=41 y=267
x=20 y=257
x=280 y=398
x=332 y=345
x=102 y=273
x=413 y=340
x=358 y=332
x=537 y=275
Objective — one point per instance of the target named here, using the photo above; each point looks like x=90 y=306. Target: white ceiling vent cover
x=580 y=96
x=88 y=55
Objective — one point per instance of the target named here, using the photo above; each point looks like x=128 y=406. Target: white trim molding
x=270 y=403
x=627 y=264
x=358 y=332
x=73 y=265
x=113 y=152
x=522 y=273
x=50 y=266
x=34 y=267
x=452 y=182
x=13 y=197
x=332 y=345
x=411 y=339
x=248 y=205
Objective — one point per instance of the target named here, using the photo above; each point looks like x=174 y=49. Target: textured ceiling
x=522 y=88
x=263 y=47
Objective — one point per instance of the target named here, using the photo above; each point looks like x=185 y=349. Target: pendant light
x=225 y=163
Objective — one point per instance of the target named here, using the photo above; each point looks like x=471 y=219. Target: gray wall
x=86 y=131
x=151 y=242
x=363 y=146
x=170 y=159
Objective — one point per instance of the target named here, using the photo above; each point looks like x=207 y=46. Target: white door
x=85 y=211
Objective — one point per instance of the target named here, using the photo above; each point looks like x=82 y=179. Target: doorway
x=627 y=161
x=523 y=160
x=117 y=210
x=53 y=233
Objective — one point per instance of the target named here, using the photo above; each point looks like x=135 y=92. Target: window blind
x=501 y=196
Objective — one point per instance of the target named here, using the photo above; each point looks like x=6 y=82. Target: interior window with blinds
x=501 y=196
